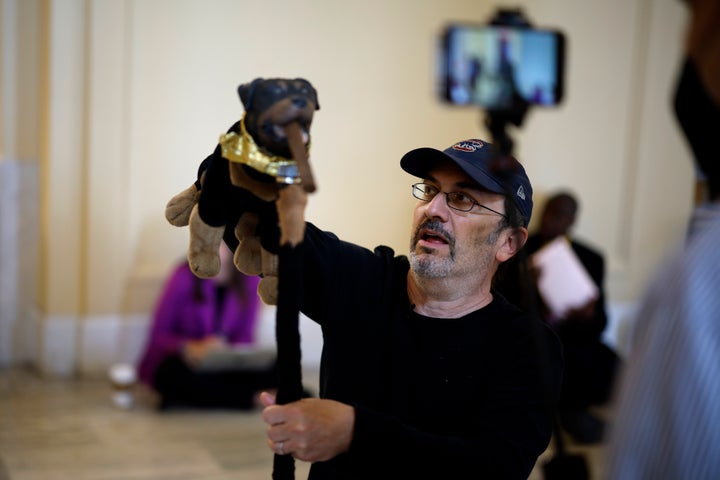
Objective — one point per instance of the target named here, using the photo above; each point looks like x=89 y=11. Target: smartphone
x=487 y=65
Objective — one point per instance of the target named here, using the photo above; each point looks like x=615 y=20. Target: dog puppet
x=237 y=186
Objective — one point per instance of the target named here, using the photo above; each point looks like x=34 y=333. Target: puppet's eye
x=276 y=89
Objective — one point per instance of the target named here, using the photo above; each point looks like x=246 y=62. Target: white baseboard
x=109 y=339
x=69 y=346
x=88 y=346
x=621 y=319
x=310 y=336
x=56 y=345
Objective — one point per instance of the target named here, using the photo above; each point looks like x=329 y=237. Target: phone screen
x=486 y=65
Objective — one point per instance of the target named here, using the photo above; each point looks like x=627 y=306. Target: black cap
x=476 y=158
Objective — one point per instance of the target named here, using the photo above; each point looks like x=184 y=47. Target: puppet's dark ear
x=312 y=90
x=246 y=91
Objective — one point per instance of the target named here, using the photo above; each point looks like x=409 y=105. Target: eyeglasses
x=456 y=200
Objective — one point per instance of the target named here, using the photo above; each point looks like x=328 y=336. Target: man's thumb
x=267 y=399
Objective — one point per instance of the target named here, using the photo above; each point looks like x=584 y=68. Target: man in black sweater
x=426 y=372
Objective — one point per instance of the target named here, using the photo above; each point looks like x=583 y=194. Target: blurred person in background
x=667 y=422
x=198 y=317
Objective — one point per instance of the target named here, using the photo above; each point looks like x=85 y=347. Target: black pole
x=287 y=332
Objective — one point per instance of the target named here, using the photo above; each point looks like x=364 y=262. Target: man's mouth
x=432 y=237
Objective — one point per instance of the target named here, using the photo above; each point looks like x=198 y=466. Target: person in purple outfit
x=192 y=318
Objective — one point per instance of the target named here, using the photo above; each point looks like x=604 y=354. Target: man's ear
x=514 y=239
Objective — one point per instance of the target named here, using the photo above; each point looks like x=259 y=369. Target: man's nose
x=438 y=206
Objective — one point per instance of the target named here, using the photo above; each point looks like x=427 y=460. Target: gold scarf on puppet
x=241 y=148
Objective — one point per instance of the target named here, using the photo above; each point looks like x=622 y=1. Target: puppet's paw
x=268 y=286
x=203 y=253
x=246 y=225
x=248 y=257
x=268 y=290
x=178 y=209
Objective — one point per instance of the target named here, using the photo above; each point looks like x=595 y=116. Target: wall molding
x=71 y=346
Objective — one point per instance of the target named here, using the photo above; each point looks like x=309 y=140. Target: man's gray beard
x=430 y=267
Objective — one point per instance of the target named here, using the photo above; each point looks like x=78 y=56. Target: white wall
x=134 y=93
x=613 y=141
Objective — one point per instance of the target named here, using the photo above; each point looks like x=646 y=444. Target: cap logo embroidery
x=521 y=192
x=468 y=145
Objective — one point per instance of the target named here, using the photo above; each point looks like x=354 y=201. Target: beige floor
x=69 y=429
